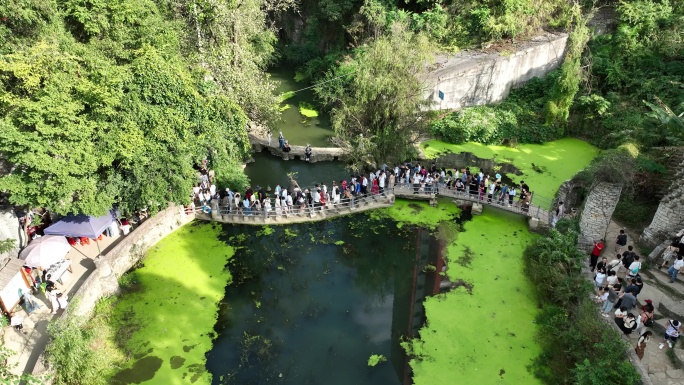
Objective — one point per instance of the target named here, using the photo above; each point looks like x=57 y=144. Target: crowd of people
x=419 y=179
x=618 y=284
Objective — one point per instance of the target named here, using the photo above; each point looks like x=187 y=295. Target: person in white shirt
x=492 y=187
x=381 y=182
x=212 y=189
x=675 y=268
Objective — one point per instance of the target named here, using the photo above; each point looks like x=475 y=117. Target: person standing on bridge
x=281 y=141
x=511 y=195
x=307 y=153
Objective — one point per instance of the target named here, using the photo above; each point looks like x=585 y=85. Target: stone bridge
x=537 y=212
x=317 y=153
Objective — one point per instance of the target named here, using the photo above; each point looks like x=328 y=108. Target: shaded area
x=310 y=303
x=300 y=122
x=142 y=370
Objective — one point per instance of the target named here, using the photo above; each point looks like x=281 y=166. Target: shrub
x=70 y=352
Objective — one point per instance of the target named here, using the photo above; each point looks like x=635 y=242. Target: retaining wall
x=471 y=78
x=598 y=209
x=103 y=281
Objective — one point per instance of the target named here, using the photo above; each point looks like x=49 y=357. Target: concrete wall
x=471 y=78
x=598 y=209
x=669 y=218
x=103 y=281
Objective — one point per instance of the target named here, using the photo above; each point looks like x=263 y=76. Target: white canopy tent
x=45 y=251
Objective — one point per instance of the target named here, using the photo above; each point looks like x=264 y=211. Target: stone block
x=533 y=223
x=476 y=209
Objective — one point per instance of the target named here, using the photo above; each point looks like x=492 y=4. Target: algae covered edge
x=487 y=337
x=544 y=166
x=172 y=316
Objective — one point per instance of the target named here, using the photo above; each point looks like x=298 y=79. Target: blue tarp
x=81 y=225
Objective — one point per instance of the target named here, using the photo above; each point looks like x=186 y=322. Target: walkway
x=364 y=203
x=317 y=153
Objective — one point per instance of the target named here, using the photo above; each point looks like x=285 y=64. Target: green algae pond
x=310 y=303
x=300 y=122
x=544 y=167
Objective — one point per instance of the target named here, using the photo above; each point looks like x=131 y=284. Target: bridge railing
x=538 y=206
x=307 y=209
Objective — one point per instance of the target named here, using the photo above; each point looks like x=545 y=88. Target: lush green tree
x=377 y=94
x=71 y=353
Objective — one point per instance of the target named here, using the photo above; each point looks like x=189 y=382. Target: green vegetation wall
x=115 y=101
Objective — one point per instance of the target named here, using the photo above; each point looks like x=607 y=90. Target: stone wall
x=471 y=78
x=598 y=209
x=9 y=229
x=103 y=281
x=669 y=218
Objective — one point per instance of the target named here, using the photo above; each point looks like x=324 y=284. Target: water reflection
x=310 y=303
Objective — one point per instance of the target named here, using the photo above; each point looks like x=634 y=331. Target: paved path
x=655 y=363
x=29 y=346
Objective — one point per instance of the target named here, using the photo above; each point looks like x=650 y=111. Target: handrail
x=306 y=209
x=537 y=206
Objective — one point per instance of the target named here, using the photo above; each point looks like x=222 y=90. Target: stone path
x=656 y=363
x=28 y=347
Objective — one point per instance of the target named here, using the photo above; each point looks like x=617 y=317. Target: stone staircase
x=666 y=366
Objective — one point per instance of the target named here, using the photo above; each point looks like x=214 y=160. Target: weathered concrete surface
x=597 y=212
x=317 y=153
x=472 y=78
x=669 y=218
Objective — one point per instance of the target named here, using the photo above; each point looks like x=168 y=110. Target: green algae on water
x=182 y=281
x=418 y=213
x=486 y=337
x=544 y=166
x=307 y=110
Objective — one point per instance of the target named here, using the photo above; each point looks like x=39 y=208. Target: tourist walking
x=675 y=268
x=558 y=214
x=621 y=241
x=610 y=301
x=595 y=254
x=672 y=331
x=307 y=153
x=668 y=255
x=641 y=344
x=281 y=141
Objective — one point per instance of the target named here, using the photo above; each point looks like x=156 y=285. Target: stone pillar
x=598 y=209
x=669 y=218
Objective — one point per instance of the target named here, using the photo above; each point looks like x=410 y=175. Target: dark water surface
x=310 y=303
x=268 y=170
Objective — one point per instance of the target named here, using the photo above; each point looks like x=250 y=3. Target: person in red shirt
x=595 y=254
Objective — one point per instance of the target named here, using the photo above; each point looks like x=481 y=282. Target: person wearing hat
x=674 y=327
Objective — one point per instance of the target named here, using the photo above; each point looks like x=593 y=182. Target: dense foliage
x=578 y=347
x=71 y=352
x=114 y=102
x=518 y=119
x=377 y=94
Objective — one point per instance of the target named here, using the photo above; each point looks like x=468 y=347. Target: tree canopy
x=108 y=102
